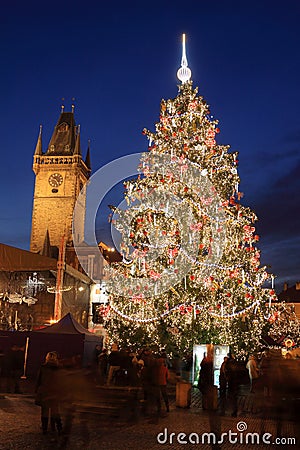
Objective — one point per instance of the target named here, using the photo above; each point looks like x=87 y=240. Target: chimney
x=298 y=286
x=285 y=287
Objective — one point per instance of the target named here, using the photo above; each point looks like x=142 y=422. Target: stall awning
x=14 y=259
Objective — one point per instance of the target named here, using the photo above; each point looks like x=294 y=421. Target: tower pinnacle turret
x=38 y=148
x=77 y=150
x=184 y=73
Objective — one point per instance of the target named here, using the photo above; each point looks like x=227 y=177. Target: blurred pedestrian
x=223 y=381
x=72 y=388
x=253 y=372
x=114 y=361
x=29 y=322
x=48 y=393
x=146 y=374
x=233 y=375
x=163 y=375
x=158 y=386
x=14 y=367
x=266 y=373
x=97 y=352
x=206 y=379
x=102 y=365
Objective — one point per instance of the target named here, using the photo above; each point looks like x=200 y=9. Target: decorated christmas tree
x=191 y=268
x=284 y=327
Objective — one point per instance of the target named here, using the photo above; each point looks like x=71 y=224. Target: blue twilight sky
x=119 y=58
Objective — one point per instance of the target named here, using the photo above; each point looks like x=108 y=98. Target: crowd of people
x=267 y=375
x=11 y=321
x=122 y=367
x=231 y=376
x=60 y=383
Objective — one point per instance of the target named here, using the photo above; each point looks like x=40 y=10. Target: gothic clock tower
x=60 y=174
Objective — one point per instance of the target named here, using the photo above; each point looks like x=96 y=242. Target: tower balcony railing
x=57 y=159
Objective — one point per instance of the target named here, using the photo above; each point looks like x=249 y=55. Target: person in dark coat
x=114 y=361
x=146 y=372
x=48 y=393
x=15 y=363
x=206 y=378
x=102 y=365
x=233 y=376
x=223 y=380
x=97 y=353
x=206 y=373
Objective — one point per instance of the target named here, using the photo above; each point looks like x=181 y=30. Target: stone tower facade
x=60 y=174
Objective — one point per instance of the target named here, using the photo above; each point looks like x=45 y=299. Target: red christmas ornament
x=193 y=105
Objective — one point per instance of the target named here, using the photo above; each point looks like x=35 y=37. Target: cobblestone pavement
x=20 y=428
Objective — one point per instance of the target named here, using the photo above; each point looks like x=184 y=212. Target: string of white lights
x=184 y=305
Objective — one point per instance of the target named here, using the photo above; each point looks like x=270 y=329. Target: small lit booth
x=218 y=352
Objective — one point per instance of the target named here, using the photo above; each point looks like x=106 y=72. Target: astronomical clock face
x=55 y=179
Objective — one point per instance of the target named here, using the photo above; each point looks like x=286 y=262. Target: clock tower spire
x=60 y=174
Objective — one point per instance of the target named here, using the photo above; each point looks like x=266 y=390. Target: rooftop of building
x=290 y=294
